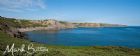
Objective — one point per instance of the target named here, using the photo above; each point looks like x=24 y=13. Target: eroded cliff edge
x=17 y=27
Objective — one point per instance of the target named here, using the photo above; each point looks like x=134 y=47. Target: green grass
x=19 y=23
x=67 y=50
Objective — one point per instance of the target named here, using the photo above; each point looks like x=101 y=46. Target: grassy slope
x=67 y=50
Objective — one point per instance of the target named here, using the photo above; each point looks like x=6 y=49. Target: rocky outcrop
x=8 y=26
x=54 y=24
x=51 y=25
x=34 y=29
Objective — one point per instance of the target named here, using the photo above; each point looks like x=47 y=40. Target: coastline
x=32 y=29
x=12 y=31
x=53 y=28
x=38 y=28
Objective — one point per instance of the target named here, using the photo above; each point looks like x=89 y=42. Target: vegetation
x=113 y=25
x=10 y=21
x=63 y=22
x=27 y=23
x=20 y=23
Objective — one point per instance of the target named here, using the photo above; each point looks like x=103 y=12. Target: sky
x=125 y=12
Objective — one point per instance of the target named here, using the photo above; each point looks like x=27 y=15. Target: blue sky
x=100 y=11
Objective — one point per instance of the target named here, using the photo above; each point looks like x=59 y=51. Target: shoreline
x=32 y=29
x=36 y=28
x=50 y=28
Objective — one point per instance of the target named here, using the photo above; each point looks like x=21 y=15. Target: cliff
x=62 y=24
x=98 y=25
x=9 y=26
x=16 y=26
x=54 y=23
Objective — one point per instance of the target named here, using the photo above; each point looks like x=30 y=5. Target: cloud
x=22 y=5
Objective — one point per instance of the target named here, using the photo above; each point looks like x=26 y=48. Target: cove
x=102 y=36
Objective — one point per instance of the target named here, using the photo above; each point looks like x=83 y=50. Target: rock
x=8 y=27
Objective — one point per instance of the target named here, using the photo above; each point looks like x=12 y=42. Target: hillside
x=53 y=24
x=63 y=24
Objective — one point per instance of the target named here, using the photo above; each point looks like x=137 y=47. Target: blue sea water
x=102 y=36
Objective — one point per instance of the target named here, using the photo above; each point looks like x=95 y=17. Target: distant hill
x=12 y=23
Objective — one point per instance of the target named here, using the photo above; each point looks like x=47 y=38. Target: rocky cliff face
x=55 y=24
x=8 y=26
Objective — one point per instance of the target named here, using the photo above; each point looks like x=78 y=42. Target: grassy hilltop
x=9 y=35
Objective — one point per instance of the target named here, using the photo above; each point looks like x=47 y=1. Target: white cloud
x=22 y=5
